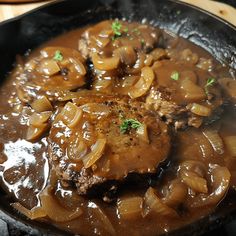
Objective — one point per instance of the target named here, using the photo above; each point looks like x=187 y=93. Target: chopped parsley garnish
x=175 y=76
x=58 y=56
x=142 y=41
x=128 y=124
x=116 y=27
x=210 y=82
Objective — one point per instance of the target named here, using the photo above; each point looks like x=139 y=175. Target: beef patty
x=106 y=36
x=117 y=52
x=183 y=93
x=94 y=143
x=50 y=73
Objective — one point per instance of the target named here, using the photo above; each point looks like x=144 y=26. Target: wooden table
x=227 y=12
x=8 y=11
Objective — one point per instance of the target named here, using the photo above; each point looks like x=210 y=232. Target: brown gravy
x=198 y=172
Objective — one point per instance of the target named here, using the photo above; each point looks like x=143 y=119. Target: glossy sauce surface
x=173 y=171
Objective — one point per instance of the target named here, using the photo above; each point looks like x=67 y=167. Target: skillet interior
x=34 y=28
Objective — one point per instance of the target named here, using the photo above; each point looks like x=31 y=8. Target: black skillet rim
x=175 y=1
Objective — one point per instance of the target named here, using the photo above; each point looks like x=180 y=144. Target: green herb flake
x=175 y=75
x=116 y=27
x=58 y=56
x=142 y=41
x=210 y=82
x=128 y=124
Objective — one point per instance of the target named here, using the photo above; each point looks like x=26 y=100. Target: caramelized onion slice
x=206 y=148
x=37 y=119
x=189 y=56
x=126 y=84
x=197 y=167
x=220 y=183
x=102 y=85
x=129 y=81
x=56 y=212
x=106 y=64
x=48 y=67
x=101 y=217
x=22 y=95
x=205 y=64
x=200 y=110
x=139 y=64
x=143 y=84
x=130 y=207
x=191 y=91
x=149 y=60
x=215 y=140
x=154 y=204
x=102 y=41
x=77 y=150
x=126 y=54
x=76 y=66
x=230 y=142
x=34 y=213
x=34 y=133
x=158 y=53
x=195 y=182
x=176 y=195
x=67 y=96
x=42 y=104
x=96 y=152
x=31 y=65
x=71 y=114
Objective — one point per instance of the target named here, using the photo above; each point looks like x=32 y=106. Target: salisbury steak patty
x=183 y=93
x=51 y=72
x=117 y=52
x=96 y=143
x=105 y=37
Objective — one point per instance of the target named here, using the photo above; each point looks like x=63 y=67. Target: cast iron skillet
x=34 y=28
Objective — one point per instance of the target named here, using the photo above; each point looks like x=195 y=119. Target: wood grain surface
x=8 y=11
x=224 y=11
